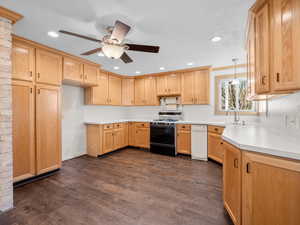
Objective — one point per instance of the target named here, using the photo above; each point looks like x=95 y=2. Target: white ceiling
x=183 y=29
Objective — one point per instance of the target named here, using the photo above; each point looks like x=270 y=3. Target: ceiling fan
x=112 y=44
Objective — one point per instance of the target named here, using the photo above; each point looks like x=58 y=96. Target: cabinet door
x=48 y=67
x=187 y=88
x=201 y=87
x=48 y=128
x=215 y=147
x=23 y=130
x=142 y=137
x=98 y=95
x=131 y=134
x=262 y=42
x=161 y=84
x=183 y=142
x=150 y=91
x=72 y=70
x=270 y=190
x=108 y=140
x=23 y=67
x=232 y=182
x=173 y=84
x=90 y=74
x=127 y=91
x=126 y=135
x=286 y=75
x=115 y=90
x=139 y=91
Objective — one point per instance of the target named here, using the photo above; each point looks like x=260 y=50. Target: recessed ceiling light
x=53 y=34
x=162 y=68
x=100 y=54
x=138 y=72
x=116 y=67
x=190 y=64
x=216 y=39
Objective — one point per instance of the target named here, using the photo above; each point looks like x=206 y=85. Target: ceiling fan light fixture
x=113 y=51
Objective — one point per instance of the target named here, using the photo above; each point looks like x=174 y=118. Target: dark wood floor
x=128 y=187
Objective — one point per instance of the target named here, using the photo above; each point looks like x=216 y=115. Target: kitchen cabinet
x=232 y=182
x=23 y=61
x=215 y=143
x=108 y=140
x=90 y=74
x=262 y=49
x=270 y=190
x=23 y=130
x=183 y=140
x=48 y=67
x=142 y=135
x=127 y=91
x=195 y=87
x=115 y=90
x=145 y=91
x=286 y=45
x=168 y=85
x=48 y=128
x=72 y=71
x=131 y=134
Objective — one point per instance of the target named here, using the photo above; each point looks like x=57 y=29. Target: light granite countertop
x=265 y=140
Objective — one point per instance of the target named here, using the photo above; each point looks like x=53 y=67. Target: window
x=231 y=95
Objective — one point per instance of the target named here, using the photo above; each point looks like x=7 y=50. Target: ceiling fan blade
x=126 y=58
x=120 y=31
x=92 y=51
x=80 y=36
x=143 y=48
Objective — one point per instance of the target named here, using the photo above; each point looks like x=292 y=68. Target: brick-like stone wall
x=6 y=165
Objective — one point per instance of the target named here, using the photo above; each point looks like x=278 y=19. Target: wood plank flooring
x=128 y=187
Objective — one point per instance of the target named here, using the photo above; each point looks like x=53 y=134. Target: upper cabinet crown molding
x=10 y=15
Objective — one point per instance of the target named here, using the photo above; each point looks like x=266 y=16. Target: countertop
x=252 y=138
x=265 y=140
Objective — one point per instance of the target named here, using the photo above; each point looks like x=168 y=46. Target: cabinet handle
x=248 y=167
x=263 y=80
x=31 y=90
x=278 y=77
x=216 y=129
x=38 y=91
x=38 y=75
x=236 y=163
x=30 y=73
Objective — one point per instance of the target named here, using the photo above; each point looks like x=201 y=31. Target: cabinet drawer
x=108 y=126
x=118 y=125
x=215 y=129
x=185 y=127
x=142 y=125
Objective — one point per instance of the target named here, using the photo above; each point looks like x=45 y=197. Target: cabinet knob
x=236 y=163
x=277 y=77
x=221 y=143
x=216 y=129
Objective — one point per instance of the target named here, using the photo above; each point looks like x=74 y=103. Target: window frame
x=218 y=79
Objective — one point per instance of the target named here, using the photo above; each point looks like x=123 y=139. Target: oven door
x=162 y=139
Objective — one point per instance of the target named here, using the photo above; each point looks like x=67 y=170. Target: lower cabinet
x=183 y=139
x=142 y=135
x=260 y=189
x=36 y=129
x=215 y=143
x=232 y=182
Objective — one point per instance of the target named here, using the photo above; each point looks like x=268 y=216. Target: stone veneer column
x=6 y=167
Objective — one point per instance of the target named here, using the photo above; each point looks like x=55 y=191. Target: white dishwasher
x=199 y=142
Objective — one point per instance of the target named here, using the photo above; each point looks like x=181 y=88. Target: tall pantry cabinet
x=36 y=105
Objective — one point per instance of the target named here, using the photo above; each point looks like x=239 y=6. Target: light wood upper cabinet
x=262 y=49
x=23 y=130
x=48 y=128
x=201 y=89
x=232 y=182
x=90 y=74
x=128 y=91
x=23 y=62
x=195 y=87
x=187 y=87
x=139 y=91
x=98 y=95
x=161 y=85
x=270 y=190
x=72 y=70
x=48 y=67
x=173 y=84
x=115 y=90
x=286 y=44
x=183 y=140
x=150 y=91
